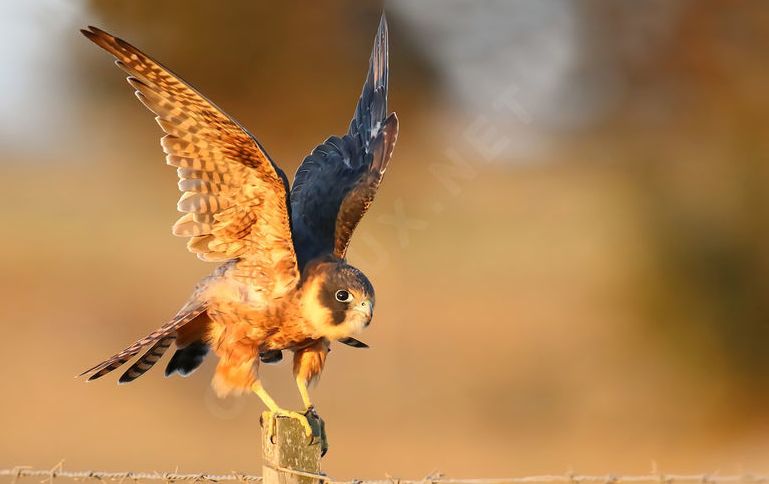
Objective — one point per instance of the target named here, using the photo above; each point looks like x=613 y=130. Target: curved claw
x=318 y=427
x=314 y=426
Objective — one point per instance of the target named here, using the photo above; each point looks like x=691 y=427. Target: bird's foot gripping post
x=290 y=456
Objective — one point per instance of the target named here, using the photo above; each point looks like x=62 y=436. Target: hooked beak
x=367 y=308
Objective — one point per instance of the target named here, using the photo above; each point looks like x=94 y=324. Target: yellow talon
x=268 y=417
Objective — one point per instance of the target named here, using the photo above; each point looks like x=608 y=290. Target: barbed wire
x=19 y=472
x=661 y=478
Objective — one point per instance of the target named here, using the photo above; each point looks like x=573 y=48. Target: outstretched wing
x=336 y=183
x=234 y=198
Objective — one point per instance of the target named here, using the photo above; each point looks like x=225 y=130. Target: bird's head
x=337 y=300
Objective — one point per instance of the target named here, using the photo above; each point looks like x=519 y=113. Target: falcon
x=283 y=282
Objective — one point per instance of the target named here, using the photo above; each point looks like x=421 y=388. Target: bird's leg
x=301 y=383
x=312 y=415
x=268 y=417
x=308 y=363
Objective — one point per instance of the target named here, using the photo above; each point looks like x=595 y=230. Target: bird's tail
x=160 y=339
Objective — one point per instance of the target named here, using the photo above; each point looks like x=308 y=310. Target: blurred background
x=570 y=249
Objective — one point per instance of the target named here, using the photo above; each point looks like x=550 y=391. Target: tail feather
x=111 y=364
x=185 y=315
x=147 y=360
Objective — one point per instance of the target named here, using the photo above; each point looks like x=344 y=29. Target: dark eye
x=343 y=296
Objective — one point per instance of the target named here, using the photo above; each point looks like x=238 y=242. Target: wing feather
x=336 y=183
x=234 y=198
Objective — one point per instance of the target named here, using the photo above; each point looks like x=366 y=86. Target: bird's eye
x=343 y=296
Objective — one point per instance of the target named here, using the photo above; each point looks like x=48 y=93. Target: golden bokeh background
x=570 y=249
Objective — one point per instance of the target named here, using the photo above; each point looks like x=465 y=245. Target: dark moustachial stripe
x=338 y=309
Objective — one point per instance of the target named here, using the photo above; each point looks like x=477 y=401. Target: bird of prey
x=283 y=282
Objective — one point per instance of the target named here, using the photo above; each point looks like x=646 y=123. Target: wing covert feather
x=234 y=198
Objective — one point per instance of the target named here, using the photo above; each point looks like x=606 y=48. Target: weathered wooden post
x=290 y=457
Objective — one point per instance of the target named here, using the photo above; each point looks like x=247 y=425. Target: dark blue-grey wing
x=336 y=183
